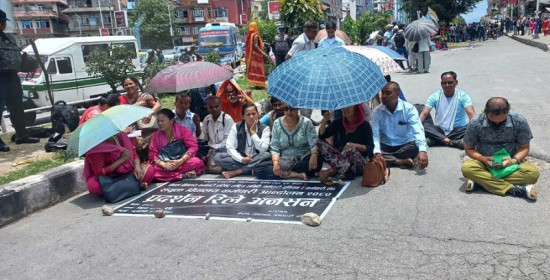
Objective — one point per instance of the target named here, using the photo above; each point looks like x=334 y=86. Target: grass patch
x=35 y=167
x=257 y=94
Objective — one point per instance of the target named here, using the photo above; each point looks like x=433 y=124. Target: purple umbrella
x=180 y=77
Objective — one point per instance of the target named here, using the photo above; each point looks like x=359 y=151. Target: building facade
x=194 y=14
x=92 y=17
x=39 y=19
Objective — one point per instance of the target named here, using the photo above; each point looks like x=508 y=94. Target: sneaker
x=458 y=144
x=530 y=192
x=470 y=185
x=526 y=191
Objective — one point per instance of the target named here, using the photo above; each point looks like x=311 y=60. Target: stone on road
x=419 y=225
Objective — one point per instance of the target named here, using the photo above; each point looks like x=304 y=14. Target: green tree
x=213 y=56
x=350 y=27
x=156 y=28
x=267 y=28
x=370 y=22
x=113 y=64
x=446 y=10
x=294 y=13
x=458 y=20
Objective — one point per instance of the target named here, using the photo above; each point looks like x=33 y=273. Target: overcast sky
x=479 y=11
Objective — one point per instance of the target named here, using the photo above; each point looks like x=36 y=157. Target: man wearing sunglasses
x=453 y=110
x=495 y=129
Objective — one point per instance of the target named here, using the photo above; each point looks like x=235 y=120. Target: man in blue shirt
x=397 y=131
x=331 y=41
x=453 y=109
x=185 y=117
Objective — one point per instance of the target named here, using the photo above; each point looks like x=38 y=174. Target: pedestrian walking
x=281 y=45
x=11 y=93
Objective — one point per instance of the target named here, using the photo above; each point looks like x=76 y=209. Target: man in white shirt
x=215 y=129
x=304 y=42
x=247 y=145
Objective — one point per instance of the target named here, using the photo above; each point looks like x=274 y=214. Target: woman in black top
x=353 y=143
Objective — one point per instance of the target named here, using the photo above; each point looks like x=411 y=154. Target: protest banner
x=259 y=200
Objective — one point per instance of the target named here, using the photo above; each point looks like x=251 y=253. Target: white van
x=64 y=59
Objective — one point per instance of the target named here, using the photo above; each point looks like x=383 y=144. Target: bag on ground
x=115 y=189
x=376 y=172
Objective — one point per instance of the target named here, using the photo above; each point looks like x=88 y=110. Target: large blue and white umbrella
x=327 y=79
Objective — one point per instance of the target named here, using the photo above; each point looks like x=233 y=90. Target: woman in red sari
x=114 y=157
x=188 y=166
x=255 y=71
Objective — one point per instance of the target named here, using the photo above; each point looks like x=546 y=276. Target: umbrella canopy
x=183 y=76
x=339 y=33
x=326 y=79
x=391 y=53
x=384 y=61
x=419 y=29
x=102 y=126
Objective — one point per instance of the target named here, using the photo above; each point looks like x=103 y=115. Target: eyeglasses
x=447 y=83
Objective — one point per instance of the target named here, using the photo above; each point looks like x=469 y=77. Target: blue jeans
x=402 y=51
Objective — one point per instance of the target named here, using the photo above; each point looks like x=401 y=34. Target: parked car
x=170 y=55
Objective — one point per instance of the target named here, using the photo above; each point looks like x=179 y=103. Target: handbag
x=28 y=63
x=151 y=124
x=115 y=189
x=175 y=150
x=376 y=172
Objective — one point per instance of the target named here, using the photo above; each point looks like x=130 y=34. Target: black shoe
x=4 y=147
x=26 y=140
x=525 y=191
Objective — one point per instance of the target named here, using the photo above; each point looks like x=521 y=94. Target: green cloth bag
x=501 y=173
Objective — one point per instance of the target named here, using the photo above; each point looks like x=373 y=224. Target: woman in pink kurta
x=188 y=166
x=114 y=157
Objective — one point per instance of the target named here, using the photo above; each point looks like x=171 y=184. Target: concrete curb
x=536 y=44
x=28 y=195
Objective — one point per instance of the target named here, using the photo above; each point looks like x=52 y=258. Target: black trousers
x=266 y=171
x=11 y=96
x=436 y=133
x=393 y=153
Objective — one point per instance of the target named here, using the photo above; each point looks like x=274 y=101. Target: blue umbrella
x=393 y=54
x=327 y=79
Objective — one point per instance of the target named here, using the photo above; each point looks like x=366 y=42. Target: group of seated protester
x=233 y=139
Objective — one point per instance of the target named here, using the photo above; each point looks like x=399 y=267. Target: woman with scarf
x=114 y=157
x=254 y=51
x=353 y=143
x=233 y=98
x=136 y=96
x=187 y=166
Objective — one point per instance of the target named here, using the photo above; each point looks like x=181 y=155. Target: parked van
x=64 y=59
x=226 y=38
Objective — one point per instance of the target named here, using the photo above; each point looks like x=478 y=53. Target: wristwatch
x=517 y=159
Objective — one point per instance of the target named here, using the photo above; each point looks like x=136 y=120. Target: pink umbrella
x=339 y=33
x=381 y=59
x=184 y=76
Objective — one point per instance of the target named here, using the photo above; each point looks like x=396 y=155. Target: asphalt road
x=420 y=225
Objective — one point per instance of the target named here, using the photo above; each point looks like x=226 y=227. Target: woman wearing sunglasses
x=294 y=146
